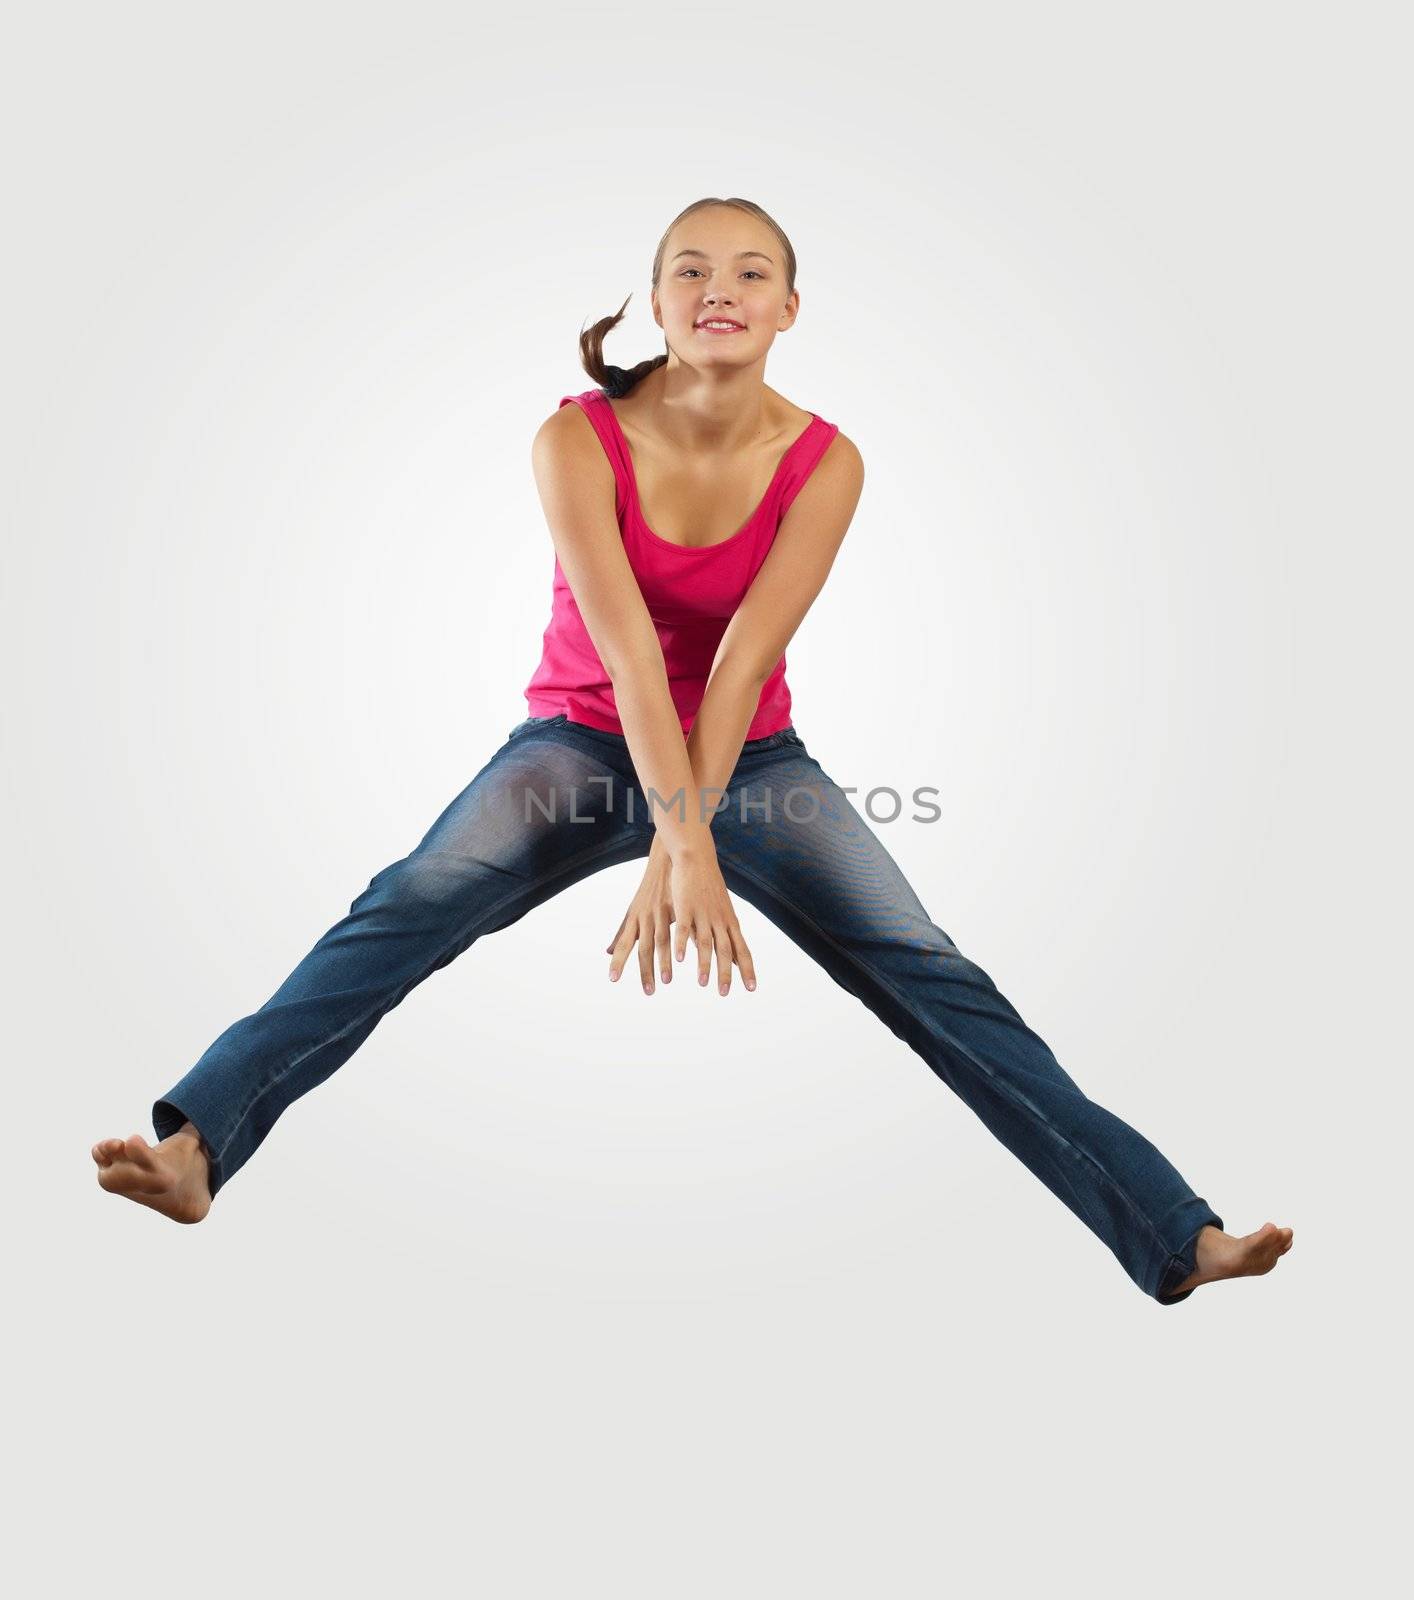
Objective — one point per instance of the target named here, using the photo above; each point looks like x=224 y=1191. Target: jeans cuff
x=167 y=1118
x=1183 y=1261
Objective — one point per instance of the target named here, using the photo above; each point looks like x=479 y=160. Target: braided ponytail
x=614 y=381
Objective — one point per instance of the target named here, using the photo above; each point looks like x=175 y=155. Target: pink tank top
x=690 y=593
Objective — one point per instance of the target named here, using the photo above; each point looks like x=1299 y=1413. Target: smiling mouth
x=713 y=326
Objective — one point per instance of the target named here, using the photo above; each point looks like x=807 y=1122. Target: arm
x=780 y=595
x=576 y=486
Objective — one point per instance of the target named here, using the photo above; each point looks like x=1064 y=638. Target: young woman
x=695 y=514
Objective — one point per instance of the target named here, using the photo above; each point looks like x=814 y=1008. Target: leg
x=487 y=860
x=812 y=865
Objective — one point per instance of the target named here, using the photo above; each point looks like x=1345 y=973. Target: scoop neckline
x=701 y=549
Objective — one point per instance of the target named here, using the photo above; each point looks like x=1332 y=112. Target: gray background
x=555 y=1289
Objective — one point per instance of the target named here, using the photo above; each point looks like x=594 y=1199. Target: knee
x=424 y=878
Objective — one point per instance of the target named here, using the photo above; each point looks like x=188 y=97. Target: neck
x=708 y=411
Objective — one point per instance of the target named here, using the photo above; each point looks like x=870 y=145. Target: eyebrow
x=739 y=255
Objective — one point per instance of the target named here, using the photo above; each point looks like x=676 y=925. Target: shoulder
x=841 y=463
x=568 y=437
x=825 y=499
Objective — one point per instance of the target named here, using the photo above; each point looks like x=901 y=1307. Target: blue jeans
x=559 y=801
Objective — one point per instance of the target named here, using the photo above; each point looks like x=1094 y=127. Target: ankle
x=1208 y=1240
x=189 y=1130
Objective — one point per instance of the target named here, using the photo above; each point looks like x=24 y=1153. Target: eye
x=750 y=272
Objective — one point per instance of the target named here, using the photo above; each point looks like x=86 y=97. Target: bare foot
x=1223 y=1255
x=172 y=1177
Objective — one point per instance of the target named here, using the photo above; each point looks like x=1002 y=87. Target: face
x=722 y=265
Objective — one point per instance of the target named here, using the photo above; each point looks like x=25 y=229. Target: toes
x=138 y=1150
x=1275 y=1245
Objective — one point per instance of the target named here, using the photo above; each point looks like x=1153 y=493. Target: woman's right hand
x=703 y=910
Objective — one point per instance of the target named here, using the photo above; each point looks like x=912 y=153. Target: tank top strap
x=804 y=457
x=595 y=406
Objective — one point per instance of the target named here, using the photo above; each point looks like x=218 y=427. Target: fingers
x=731 y=948
x=619 y=953
x=667 y=939
x=743 y=958
x=653 y=937
x=722 y=943
x=716 y=942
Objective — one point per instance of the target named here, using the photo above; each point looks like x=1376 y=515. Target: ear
x=789 y=311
